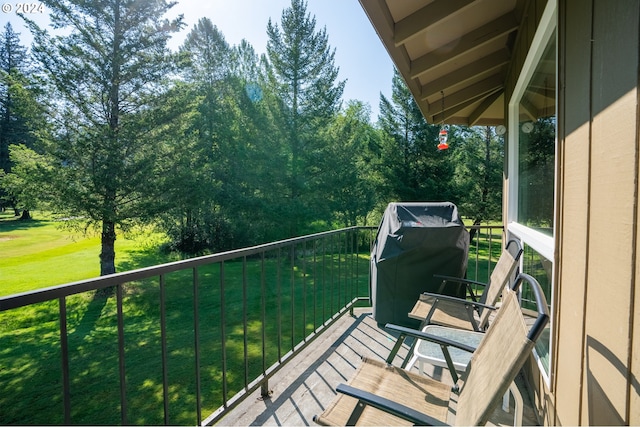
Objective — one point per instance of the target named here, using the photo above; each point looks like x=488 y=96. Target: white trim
x=545 y=29
x=546 y=375
x=548 y=23
x=539 y=242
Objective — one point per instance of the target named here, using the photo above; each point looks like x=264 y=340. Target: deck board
x=307 y=384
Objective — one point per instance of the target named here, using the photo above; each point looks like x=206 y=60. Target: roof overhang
x=453 y=54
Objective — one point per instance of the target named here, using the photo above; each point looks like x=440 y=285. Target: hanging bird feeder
x=442 y=138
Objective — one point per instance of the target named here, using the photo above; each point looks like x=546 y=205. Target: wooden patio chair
x=471 y=314
x=382 y=394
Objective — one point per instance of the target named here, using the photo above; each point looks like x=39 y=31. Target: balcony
x=261 y=336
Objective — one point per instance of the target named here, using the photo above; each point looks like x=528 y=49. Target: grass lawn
x=30 y=365
x=38 y=254
x=41 y=253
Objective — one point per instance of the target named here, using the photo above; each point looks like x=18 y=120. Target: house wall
x=595 y=381
x=595 y=376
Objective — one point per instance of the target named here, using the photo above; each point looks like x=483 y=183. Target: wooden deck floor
x=307 y=385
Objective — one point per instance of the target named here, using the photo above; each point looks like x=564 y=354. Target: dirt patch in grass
x=6 y=238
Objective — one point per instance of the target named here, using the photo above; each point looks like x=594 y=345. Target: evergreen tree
x=478 y=156
x=108 y=74
x=411 y=167
x=16 y=107
x=352 y=142
x=234 y=153
x=258 y=161
x=304 y=76
x=194 y=220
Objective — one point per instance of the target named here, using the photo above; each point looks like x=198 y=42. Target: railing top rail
x=47 y=294
x=488 y=227
x=54 y=292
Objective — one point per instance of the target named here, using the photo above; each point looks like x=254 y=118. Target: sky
x=359 y=53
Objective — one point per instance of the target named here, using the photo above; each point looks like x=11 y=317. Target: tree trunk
x=107 y=255
x=26 y=215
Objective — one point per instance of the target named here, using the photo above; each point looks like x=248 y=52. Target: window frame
x=541 y=243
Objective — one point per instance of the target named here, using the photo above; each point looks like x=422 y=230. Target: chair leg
x=411 y=363
x=518 y=403
x=411 y=351
x=395 y=349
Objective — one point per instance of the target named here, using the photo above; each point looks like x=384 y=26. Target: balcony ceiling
x=456 y=51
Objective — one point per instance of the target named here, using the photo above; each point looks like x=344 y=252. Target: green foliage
x=220 y=184
x=28 y=181
x=303 y=76
x=411 y=168
x=225 y=148
x=108 y=74
x=350 y=159
x=478 y=156
x=20 y=113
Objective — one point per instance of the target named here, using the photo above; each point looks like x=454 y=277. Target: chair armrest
x=459 y=280
x=428 y=337
x=466 y=282
x=459 y=300
x=386 y=405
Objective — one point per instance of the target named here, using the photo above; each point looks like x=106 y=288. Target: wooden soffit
x=451 y=53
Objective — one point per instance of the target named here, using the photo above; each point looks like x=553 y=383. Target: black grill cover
x=414 y=242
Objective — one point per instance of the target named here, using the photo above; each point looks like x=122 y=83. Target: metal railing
x=485 y=248
x=184 y=342
x=235 y=317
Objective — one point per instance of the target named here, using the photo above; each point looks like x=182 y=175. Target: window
x=532 y=168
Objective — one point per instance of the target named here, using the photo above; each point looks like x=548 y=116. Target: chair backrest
x=500 y=278
x=499 y=357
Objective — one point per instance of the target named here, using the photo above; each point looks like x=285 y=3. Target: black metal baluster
x=121 y=362
x=244 y=322
x=223 y=336
x=163 y=339
x=279 y=279
x=64 y=355
x=196 y=343
x=304 y=291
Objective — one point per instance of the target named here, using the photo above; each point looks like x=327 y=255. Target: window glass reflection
x=536 y=145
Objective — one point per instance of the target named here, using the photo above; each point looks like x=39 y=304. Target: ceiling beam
x=470 y=41
x=483 y=87
x=476 y=114
x=450 y=112
x=467 y=72
x=422 y=19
